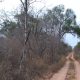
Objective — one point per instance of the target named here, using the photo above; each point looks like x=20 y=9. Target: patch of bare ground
x=77 y=69
x=53 y=69
x=71 y=72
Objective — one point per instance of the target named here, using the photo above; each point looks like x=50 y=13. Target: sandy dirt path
x=77 y=70
x=61 y=75
x=63 y=72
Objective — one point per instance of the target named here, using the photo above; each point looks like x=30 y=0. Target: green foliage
x=57 y=19
x=78 y=45
x=55 y=15
x=67 y=26
x=77 y=51
x=77 y=30
x=60 y=20
x=70 y=21
x=8 y=27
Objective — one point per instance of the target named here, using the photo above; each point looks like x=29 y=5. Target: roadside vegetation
x=77 y=51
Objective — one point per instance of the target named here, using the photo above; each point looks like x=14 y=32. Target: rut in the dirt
x=71 y=72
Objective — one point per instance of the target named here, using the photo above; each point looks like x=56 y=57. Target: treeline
x=45 y=47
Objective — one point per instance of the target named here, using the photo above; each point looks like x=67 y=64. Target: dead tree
x=26 y=33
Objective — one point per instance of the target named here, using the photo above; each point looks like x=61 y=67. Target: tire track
x=77 y=69
x=61 y=75
x=71 y=72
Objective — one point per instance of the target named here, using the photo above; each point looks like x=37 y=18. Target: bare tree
x=26 y=32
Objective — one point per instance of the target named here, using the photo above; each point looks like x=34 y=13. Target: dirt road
x=77 y=70
x=70 y=71
x=61 y=75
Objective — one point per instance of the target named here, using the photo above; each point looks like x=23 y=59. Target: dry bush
x=42 y=58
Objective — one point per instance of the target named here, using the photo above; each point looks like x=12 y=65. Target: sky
x=72 y=40
x=10 y=5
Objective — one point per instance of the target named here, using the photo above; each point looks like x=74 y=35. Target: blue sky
x=10 y=5
x=71 y=39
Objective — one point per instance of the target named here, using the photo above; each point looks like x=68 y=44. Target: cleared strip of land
x=77 y=70
x=61 y=75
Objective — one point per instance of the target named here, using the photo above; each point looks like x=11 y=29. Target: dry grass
x=71 y=72
x=36 y=66
x=52 y=69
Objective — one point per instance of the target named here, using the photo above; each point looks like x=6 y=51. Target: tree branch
x=22 y=3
